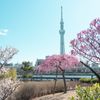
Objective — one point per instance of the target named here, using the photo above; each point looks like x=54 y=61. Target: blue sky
x=32 y=26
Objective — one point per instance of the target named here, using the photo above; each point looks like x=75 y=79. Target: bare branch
x=6 y=54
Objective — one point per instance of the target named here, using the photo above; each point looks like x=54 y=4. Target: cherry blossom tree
x=58 y=63
x=87 y=44
x=6 y=54
x=7 y=87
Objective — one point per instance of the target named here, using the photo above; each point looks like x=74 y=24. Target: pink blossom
x=83 y=32
x=73 y=52
x=98 y=29
x=61 y=61
x=96 y=24
x=73 y=42
x=87 y=43
x=93 y=22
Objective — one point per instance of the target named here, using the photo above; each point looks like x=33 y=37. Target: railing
x=71 y=76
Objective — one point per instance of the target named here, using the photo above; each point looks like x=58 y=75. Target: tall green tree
x=27 y=68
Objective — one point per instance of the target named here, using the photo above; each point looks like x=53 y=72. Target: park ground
x=58 y=96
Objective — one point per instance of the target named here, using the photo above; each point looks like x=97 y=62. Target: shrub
x=88 y=80
x=85 y=80
x=2 y=76
x=11 y=73
x=27 y=76
x=94 y=80
x=88 y=93
x=27 y=68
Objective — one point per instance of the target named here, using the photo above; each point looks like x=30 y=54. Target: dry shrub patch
x=29 y=90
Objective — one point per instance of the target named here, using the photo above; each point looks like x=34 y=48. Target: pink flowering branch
x=87 y=44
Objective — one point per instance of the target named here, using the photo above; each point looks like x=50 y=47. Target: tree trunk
x=1 y=66
x=55 y=80
x=65 y=87
x=95 y=73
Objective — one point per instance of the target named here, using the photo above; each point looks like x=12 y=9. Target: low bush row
x=88 y=80
x=27 y=76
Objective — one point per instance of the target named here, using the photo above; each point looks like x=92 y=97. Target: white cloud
x=3 y=32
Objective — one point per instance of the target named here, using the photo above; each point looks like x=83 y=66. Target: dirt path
x=58 y=96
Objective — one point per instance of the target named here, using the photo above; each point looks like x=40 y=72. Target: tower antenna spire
x=61 y=13
x=62 y=32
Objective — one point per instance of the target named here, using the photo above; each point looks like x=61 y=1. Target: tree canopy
x=6 y=54
x=61 y=62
